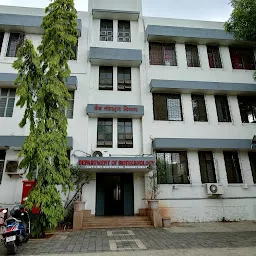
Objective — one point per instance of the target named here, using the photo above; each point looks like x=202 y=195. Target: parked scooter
x=16 y=229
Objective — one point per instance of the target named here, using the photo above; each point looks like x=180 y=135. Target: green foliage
x=79 y=179
x=43 y=93
x=243 y=20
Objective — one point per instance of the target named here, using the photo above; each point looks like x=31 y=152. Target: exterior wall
x=190 y=203
x=11 y=188
x=180 y=202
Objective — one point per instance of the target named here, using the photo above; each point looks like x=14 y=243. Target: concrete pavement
x=181 y=240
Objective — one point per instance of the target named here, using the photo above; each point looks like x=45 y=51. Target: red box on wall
x=27 y=186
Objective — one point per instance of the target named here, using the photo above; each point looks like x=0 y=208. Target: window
x=199 y=109
x=192 y=55
x=1 y=40
x=232 y=167
x=214 y=56
x=70 y=109
x=15 y=41
x=174 y=108
x=247 y=106
x=2 y=158
x=105 y=133
x=162 y=54
x=242 y=58
x=172 y=168
x=252 y=158
x=124 y=31
x=106 y=30
x=222 y=107
x=207 y=167
x=167 y=107
x=106 y=78
x=124 y=79
x=74 y=49
x=7 y=99
x=125 y=134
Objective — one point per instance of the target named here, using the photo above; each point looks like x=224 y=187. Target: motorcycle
x=16 y=229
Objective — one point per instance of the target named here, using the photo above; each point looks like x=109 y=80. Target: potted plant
x=79 y=180
x=153 y=203
x=156 y=177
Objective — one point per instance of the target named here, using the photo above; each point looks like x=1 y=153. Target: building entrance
x=114 y=194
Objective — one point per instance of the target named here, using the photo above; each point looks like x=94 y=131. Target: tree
x=242 y=22
x=42 y=91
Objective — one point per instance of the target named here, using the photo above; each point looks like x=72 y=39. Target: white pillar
x=194 y=168
x=220 y=168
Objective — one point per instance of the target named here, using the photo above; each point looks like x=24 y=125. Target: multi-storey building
x=144 y=90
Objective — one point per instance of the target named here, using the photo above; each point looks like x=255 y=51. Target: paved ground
x=181 y=239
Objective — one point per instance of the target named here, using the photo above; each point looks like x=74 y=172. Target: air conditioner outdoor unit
x=214 y=189
x=97 y=154
x=12 y=168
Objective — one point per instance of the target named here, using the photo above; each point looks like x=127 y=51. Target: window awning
x=115 y=14
x=18 y=141
x=26 y=23
x=157 y=85
x=165 y=144
x=193 y=35
x=115 y=57
x=7 y=79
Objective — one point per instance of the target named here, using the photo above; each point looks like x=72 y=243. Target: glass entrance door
x=114 y=194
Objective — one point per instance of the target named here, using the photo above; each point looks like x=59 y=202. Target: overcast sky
x=218 y=10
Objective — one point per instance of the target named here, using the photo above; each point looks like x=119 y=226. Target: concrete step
x=116 y=222
x=118 y=217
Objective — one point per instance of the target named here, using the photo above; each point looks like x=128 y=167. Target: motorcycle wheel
x=26 y=239
x=11 y=248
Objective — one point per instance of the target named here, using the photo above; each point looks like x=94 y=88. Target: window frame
x=106 y=143
x=122 y=29
x=252 y=160
x=170 y=177
x=225 y=110
x=216 y=63
x=70 y=108
x=17 y=44
x=1 y=40
x=126 y=143
x=75 y=51
x=205 y=175
x=105 y=86
x=240 y=51
x=158 y=56
x=199 y=116
x=235 y=161
x=2 y=162
x=195 y=62
x=243 y=101
x=8 y=97
x=106 y=29
x=126 y=85
x=160 y=107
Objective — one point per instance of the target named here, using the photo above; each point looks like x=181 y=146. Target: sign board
x=96 y=110
x=116 y=162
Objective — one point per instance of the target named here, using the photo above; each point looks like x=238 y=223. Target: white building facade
x=147 y=92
